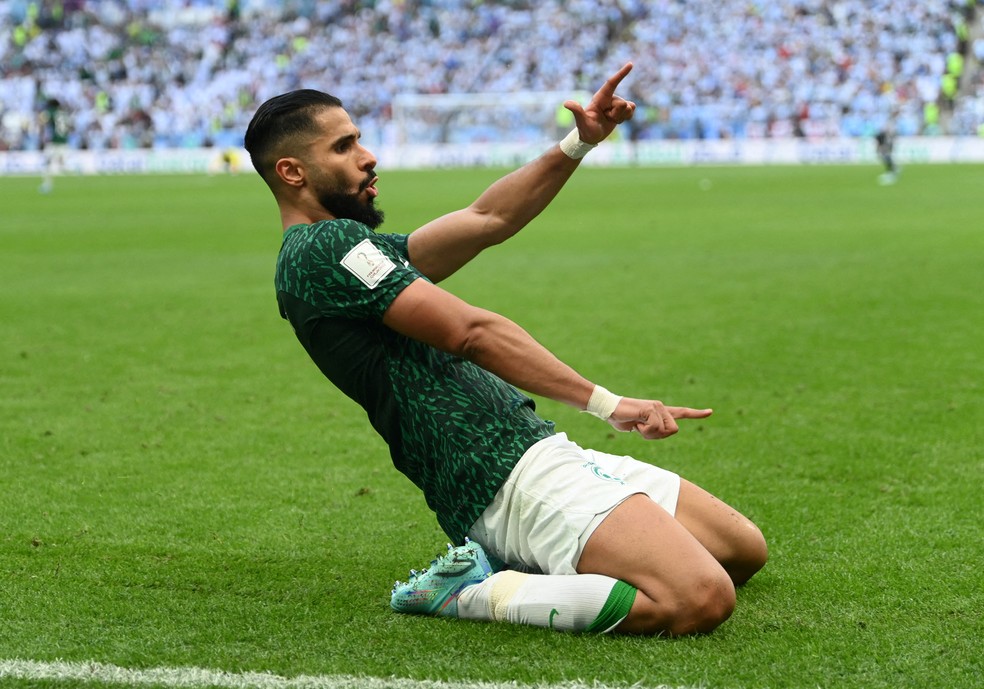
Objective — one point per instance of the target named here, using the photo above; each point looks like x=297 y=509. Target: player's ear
x=290 y=171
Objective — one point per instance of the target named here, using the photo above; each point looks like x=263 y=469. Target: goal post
x=465 y=118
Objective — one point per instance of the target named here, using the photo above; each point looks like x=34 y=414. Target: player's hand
x=605 y=111
x=651 y=418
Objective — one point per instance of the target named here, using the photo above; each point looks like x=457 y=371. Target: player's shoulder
x=338 y=231
x=338 y=226
x=330 y=240
x=325 y=234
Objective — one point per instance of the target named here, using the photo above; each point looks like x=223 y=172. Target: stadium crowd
x=174 y=73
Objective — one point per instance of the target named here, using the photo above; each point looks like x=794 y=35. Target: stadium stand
x=189 y=73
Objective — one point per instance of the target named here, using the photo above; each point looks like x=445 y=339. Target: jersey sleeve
x=399 y=242
x=356 y=273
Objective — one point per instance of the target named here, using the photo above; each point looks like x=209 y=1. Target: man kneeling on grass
x=549 y=533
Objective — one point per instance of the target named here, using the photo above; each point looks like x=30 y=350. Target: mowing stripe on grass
x=200 y=678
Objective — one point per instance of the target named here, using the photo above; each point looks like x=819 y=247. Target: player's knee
x=757 y=550
x=750 y=554
x=710 y=600
x=706 y=601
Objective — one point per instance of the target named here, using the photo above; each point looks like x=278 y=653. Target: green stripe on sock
x=615 y=609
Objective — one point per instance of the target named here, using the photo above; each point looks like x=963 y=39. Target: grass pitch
x=181 y=488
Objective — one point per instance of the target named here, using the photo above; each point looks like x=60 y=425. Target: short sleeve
x=399 y=242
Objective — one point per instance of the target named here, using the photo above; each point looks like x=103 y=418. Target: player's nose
x=367 y=161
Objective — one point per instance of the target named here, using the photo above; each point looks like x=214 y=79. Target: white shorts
x=556 y=497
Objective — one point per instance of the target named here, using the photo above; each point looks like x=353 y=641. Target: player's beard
x=352 y=206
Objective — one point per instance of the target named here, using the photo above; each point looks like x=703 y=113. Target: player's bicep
x=445 y=244
x=422 y=311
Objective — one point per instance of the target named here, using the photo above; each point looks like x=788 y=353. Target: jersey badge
x=368 y=263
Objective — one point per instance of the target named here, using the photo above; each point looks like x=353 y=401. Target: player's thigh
x=730 y=537
x=641 y=544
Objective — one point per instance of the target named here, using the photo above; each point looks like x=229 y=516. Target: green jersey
x=452 y=428
x=54 y=125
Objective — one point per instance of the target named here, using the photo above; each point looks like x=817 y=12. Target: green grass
x=180 y=487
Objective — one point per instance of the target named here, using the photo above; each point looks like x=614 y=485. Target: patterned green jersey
x=54 y=125
x=453 y=428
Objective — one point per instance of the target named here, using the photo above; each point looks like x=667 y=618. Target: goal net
x=465 y=118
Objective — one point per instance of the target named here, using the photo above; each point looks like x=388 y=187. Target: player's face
x=342 y=175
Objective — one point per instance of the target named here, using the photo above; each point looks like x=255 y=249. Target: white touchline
x=197 y=678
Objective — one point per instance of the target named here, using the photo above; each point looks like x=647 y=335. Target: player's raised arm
x=444 y=245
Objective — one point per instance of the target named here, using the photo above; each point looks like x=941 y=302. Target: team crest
x=601 y=473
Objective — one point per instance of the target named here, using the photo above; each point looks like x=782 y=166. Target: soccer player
x=547 y=533
x=53 y=140
x=885 y=145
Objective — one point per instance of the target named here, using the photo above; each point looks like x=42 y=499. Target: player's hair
x=281 y=122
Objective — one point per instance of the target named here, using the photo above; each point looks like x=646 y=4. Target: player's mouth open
x=370 y=186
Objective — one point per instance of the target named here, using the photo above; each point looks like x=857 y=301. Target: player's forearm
x=514 y=200
x=442 y=246
x=429 y=314
x=502 y=347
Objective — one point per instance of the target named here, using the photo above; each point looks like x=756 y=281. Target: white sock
x=572 y=603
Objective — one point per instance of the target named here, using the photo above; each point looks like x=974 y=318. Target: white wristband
x=573 y=147
x=602 y=403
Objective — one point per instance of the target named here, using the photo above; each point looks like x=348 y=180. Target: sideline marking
x=197 y=678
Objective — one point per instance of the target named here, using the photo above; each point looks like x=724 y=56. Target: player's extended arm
x=442 y=246
x=432 y=315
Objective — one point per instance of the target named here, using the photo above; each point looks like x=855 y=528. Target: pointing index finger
x=608 y=89
x=688 y=413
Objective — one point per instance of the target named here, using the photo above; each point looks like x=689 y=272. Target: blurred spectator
x=175 y=73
